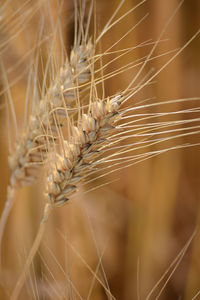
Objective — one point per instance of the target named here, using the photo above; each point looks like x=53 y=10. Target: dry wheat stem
x=6 y=211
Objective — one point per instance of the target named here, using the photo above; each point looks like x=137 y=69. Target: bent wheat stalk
x=80 y=154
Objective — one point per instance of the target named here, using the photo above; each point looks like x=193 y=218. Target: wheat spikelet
x=82 y=149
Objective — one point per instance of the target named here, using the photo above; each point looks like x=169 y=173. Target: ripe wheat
x=88 y=137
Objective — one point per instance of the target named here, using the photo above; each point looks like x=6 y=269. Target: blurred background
x=121 y=238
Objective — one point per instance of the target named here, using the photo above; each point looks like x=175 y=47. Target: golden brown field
x=119 y=239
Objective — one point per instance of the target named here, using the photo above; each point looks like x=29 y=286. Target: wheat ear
x=31 y=148
x=30 y=151
x=80 y=154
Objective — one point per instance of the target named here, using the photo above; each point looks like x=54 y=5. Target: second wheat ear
x=80 y=153
x=31 y=149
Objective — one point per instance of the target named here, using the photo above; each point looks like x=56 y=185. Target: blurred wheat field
x=122 y=236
